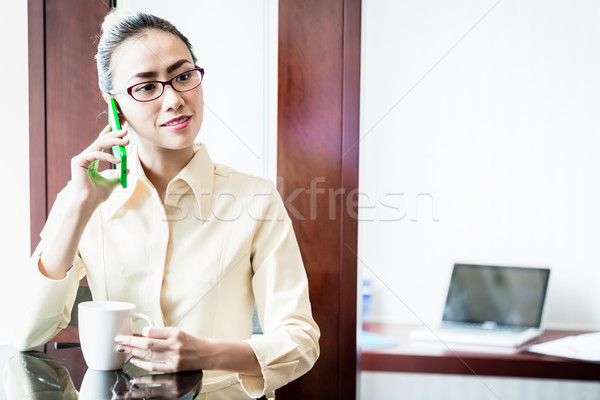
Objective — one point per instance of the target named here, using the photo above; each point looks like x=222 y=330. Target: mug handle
x=146 y=318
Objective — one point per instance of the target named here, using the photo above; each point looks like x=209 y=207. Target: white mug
x=100 y=322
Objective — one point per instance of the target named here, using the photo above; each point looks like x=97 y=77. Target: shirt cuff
x=50 y=294
x=276 y=371
x=45 y=305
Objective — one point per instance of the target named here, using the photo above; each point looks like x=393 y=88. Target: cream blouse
x=221 y=241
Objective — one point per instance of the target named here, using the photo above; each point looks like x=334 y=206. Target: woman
x=192 y=243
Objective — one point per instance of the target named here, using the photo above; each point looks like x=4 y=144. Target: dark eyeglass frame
x=163 y=83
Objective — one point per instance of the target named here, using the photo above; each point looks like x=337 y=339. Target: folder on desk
x=585 y=347
x=491 y=306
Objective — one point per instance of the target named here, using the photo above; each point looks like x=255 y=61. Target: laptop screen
x=494 y=295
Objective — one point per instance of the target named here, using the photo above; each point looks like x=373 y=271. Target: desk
x=410 y=358
x=37 y=375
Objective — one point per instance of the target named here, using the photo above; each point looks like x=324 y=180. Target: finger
x=101 y=134
x=117 y=133
x=108 y=131
x=111 y=139
x=147 y=380
x=142 y=342
x=154 y=393
x=146 y=354
x=141 y=393
x=104 y=131
x=84 y=160
x=159 y=332
x=156 y=379
x=89 y=161
x=151 y=366
x=157 y=393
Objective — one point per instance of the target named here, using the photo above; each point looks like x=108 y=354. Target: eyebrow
x=153 y=74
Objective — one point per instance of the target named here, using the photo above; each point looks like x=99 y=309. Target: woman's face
x=158 y=56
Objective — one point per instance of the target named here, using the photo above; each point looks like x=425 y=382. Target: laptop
x=491 y=306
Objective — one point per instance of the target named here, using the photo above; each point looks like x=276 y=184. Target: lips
x=179 y=122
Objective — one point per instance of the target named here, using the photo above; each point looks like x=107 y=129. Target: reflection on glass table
x=35 y=375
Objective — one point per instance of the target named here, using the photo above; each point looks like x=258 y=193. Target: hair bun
x=113 y=17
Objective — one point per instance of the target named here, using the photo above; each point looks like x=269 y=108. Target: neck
x=162 y=165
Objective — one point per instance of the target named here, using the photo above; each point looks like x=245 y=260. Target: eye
x=145 y=87
x=183 y=77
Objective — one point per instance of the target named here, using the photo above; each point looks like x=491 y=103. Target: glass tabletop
x=62 y=374
x=36 y=375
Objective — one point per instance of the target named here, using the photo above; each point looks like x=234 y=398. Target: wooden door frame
x=318 y=136
x=37 y=118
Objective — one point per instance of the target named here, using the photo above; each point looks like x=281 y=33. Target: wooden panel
x=317 y=119
x=74 y=105
x=37 y=119
x=349 y=366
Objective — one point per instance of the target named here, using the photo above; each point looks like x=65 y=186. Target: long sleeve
x=46 y=304
x=289 y=346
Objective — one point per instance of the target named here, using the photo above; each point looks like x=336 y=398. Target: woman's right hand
x=89 y=186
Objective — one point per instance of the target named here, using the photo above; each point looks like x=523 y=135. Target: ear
x=106 y=98
x=119 y=112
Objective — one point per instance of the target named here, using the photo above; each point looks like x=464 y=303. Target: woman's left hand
x=167 y=350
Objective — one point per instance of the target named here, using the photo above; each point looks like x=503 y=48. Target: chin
x=178 y=140
x=179 y=144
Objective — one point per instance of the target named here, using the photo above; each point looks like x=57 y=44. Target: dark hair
x=118 y=26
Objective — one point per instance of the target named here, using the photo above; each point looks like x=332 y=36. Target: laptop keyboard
x=493 y=330
x=507 y=336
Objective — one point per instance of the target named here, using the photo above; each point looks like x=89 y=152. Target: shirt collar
x=198 y=174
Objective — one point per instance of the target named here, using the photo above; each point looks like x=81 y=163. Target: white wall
x=490 y=111
x=14 y=114
x=236 y=43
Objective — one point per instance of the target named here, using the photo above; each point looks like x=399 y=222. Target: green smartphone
x=118 y=151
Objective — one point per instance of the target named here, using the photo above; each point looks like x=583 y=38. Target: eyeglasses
x=152 y=90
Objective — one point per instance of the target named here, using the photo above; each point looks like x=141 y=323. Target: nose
x=171 y=99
